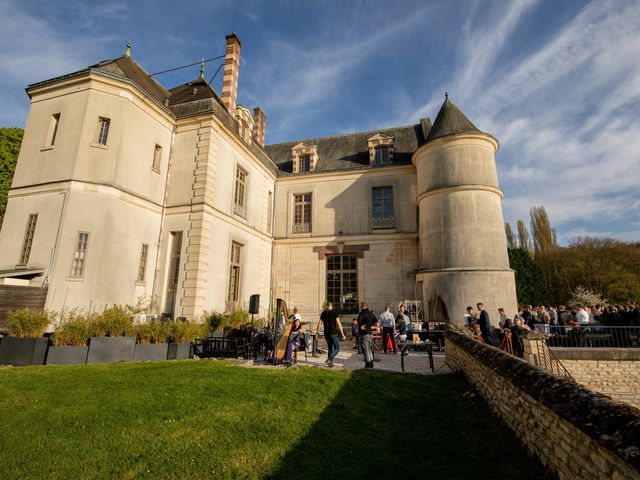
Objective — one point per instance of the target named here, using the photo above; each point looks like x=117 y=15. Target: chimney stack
x=259 y=125
x=231 y=67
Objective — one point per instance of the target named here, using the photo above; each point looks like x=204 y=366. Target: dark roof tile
x=450 y=120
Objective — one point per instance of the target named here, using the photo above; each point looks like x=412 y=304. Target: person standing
x=403 y=318
x=387 y=323
x=365 y=322
x=332 y=332
x=485 y=324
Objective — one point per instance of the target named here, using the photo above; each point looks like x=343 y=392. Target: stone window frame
x=27 y=242
x=379 y=141
x=300 y=213
x=385 y=221
x=240 y=190
x=299 y=152
x=102 y=131
x=142 y=263
x=157 y=158
x=245 y=123
x=52 y=131
x=79 y=259
x=236 y=253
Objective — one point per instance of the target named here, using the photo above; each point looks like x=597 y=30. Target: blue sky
x=557 y=82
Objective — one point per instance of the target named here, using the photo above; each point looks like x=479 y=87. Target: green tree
x=530 y=282
x=523 y=237
x=10 y=140
x=511 y=238
x=544 y=237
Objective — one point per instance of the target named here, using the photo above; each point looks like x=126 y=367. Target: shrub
x=113 y=322
x=28 y=323
x=73 y=329
x=226 y=321
x=154 y=332
x=184 y=332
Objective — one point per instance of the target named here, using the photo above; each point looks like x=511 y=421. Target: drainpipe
x=54 y=250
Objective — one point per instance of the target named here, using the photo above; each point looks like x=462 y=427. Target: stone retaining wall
x=615 y=372
x=575 y=432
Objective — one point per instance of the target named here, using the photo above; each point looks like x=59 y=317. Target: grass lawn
x=208 y=419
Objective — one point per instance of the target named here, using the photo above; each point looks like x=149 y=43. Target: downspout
x=54 y=250
x=156 y=270
x=273 y=247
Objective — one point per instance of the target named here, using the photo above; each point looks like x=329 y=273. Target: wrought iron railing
x=538 y=352
x=592 y=336
x=301 y=227
x=240 y=210
x=382 y=222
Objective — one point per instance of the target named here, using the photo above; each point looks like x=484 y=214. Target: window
x=174 y=273
x=382 y=207
x=157 y=158
x=28 y=239
x=239 y=207
x=269 y=211
x=302 y=213
x=77 y=270
x=234 y=272
x=381 y=155
x=53 y=129
x=103 y=130
x=142 y=264
x=305 y=163
x=342 y=282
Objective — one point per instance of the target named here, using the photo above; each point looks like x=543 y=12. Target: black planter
x=179 y=351
x=23 y=351
x=67 y=355
x=153 y=352
x=111 y=349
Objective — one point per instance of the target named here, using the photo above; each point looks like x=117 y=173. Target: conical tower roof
x=450 y=120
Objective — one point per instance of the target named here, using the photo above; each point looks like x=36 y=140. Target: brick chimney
x=259 y=125
x=231 y=67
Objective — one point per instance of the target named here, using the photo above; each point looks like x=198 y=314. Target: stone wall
x=573 y=431
x=615 y=372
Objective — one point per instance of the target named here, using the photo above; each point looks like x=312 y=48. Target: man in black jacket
x=365 y=322
x=485 y=324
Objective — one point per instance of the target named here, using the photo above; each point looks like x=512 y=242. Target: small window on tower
x=157 y=158
x=103 y=130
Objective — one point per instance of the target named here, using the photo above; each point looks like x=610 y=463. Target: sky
x=557 y=82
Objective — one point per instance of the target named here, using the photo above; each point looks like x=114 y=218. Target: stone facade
x=573 y=431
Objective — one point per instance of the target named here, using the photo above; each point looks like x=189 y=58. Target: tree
x=523 y=237
x=511 y=238
x=10 y=140
x=530 y=283
x=544 y=237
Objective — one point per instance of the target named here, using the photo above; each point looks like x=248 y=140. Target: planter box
x=151 y=352
x=111 y=349
x=23 y=351
x=179 y=351
x=67 y=355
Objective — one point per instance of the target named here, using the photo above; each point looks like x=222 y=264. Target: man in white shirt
x=582 y=316
x=387 y=321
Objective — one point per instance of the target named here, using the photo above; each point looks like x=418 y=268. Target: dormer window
x=305 y=158
x=381 y=155
x=305 y=163
x=380 y=149
x=245 y=123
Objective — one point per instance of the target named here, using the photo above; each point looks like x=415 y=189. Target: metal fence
x=592 y=336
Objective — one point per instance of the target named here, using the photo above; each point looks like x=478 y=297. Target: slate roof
x=351 y=151
x=194 y=90
x=127 y=67
x=450 y=120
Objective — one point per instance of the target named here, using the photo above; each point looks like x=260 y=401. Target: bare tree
x=511 y=238
x=523 y=237
x=544 y=237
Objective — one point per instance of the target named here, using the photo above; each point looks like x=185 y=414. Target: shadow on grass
x=435 y=432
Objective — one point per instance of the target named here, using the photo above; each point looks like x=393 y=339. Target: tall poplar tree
x=511 y=238
x=544 y=237
x=523 y=237
x=10 y=140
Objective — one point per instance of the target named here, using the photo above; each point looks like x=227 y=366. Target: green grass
x=204 y=419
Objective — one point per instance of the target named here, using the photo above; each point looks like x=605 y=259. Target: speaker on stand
x=254 y=307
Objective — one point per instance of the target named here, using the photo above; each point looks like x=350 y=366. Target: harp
x=282 y=330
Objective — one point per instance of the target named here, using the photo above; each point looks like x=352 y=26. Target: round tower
x=463 y=249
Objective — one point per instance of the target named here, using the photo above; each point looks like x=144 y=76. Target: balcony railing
x=301 y=227
x=240 y=210
x=593 y=335
x=382 y=222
